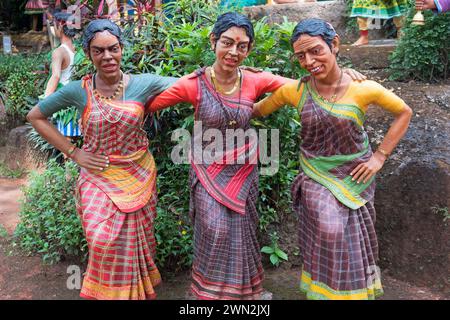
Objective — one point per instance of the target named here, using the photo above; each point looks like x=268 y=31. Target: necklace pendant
x=232 y=123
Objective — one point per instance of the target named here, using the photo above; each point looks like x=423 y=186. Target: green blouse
x=140 y=88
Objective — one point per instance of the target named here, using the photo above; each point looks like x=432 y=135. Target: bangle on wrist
x=383 y=152
x=70 y=152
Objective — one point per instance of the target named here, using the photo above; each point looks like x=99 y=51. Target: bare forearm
x=365 y=171
x=48 y=130
x=396 y=131
x=88 y=160
x=263 y=108
x=52 y=84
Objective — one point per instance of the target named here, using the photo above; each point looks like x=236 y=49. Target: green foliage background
x=49 y=224
x=21 y=82
x=423 y=51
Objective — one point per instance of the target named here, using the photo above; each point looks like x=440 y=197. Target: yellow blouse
x=360 y=94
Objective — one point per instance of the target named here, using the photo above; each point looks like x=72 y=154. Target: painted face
x=231 y=48
x=314 y=55
x=105 y=52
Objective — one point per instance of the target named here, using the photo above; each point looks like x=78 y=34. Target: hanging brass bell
x=418 y=19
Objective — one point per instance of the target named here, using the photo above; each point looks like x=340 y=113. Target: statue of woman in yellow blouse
x=334 y=193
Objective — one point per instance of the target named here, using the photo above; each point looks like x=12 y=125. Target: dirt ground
x=9 y=206
x=25 y=277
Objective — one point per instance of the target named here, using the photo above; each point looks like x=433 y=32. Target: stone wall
x=331 y=11
x=34 y=42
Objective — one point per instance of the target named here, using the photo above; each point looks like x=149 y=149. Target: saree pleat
x=226 y=251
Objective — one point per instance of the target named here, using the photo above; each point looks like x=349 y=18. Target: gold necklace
x=333 y=98
x=218 y=88
x=231 y=121
x=116 y=92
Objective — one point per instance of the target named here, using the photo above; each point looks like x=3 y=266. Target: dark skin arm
x=425 y=4
x=90 y=161
x=398 y=128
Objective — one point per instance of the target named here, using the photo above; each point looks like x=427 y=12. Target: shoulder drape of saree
x=228 y=181
x=130 y=179
x=323 y=163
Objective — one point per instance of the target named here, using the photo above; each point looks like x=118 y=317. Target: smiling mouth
x=231 y=61
x=315 y=70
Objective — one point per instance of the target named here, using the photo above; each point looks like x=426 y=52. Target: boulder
x=412 y=197
x=375 y=55
x=17 y=137
x=17 y=153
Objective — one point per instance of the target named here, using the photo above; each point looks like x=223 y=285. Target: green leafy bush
x=173 y=230
x=274 y=191
x=44 y=149
x=3 y=232
x=423 y=51
x=6 y=172
x=49 y=224
x=276 y=255
x=21 y=82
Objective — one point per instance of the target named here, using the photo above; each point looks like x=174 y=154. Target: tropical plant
x=67 y=115
x=21 y=80
x=423 y=51
x=276 y=255
x=3 y=232
x=40 y=144
x=6 y=172
x=442 y=211
x=49 y=224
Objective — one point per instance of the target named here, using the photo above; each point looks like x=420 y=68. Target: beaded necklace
x=116 y=92
x=333 y=98
x=100 y=99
